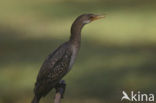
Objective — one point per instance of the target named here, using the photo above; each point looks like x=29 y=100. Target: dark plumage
x=59 y=62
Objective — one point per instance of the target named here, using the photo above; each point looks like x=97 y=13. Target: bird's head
x=80 y=22
x=87 y=18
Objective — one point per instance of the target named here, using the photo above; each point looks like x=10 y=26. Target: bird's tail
x=35 y=99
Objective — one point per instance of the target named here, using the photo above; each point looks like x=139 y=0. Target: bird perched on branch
x=60 y=61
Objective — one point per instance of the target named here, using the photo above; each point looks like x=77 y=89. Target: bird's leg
x=60 y=88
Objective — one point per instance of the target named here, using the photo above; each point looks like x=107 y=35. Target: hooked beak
x=97 y=17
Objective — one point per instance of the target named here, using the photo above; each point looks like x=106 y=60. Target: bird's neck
x=75 y=37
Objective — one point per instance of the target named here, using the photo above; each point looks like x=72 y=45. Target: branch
x=60 y=90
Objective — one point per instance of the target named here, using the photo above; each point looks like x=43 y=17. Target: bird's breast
x=73 y=57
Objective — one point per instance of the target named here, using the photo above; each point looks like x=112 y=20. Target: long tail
x=35 y=99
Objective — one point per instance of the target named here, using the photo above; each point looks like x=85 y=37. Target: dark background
x=117 y=53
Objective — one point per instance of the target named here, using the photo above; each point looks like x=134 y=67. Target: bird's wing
x=56 y=65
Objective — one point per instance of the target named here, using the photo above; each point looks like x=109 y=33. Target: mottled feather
x=53 y=69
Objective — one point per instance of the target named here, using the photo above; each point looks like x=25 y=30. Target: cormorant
x=60 y=61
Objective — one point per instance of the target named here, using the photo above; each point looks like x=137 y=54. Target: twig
x=60 y=89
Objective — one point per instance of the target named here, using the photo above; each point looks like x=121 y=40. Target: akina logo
x=138 y=96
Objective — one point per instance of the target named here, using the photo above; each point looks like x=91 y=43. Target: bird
x=60 y=61
x=125 y=96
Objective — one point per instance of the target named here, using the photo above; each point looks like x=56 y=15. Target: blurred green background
x=117 y=53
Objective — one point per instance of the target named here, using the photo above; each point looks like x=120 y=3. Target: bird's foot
x=60 y=88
